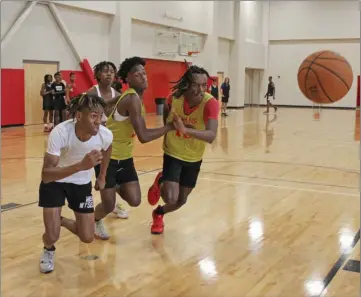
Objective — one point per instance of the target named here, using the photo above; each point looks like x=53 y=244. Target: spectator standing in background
x=213 y=89
x=48 y=106
x=71 y=88
x=59 y=99
x=225 y=88
x=271 y=91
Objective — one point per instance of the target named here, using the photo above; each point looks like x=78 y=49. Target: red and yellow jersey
x=184 y=147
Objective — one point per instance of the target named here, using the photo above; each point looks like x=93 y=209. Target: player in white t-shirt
x=74 y=148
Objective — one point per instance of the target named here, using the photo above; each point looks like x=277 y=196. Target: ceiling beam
x=17 y=24
x=64 y=29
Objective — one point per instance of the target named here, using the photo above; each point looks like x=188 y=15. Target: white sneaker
x=100 y=231
x=47 y=261
x=120 y=211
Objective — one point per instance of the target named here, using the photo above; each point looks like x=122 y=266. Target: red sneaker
x=158 y=224
x=154 y=191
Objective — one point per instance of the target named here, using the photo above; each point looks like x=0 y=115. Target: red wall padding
x=82 y=81
x=12 y=97
x=88 y=72
x=160 y=74
x=358 y=92
x=13 y=93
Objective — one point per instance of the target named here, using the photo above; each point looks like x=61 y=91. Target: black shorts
x=182 y=172
x=225 y=99
x=48 y=104
x=119 y=172
x=80 y=198
x=59 y=104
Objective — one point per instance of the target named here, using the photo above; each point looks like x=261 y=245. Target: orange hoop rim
x=192 y=53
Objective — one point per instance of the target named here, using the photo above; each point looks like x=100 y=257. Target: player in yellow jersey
x=194 y=113
x=126 y=121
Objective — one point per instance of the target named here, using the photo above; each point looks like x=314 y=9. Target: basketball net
x=316 y=111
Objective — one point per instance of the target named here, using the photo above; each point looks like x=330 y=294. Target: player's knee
x=172 y=199
x=135 y=201
x=86 y=238
x=182 y=200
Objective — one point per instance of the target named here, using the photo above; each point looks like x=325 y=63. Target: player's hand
x=178 y=124
x=170 y=126
x=91 y=159
x=99 y=183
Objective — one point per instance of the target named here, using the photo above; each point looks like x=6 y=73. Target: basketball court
x=275 y=213
x=276 y=209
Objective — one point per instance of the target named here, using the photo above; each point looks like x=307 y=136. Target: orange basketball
x=325 y=77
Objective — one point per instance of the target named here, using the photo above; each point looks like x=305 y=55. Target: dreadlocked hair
x=100 y=66
x=127 y=66
x=46 y=78
x=186 y=80
x=85 y=101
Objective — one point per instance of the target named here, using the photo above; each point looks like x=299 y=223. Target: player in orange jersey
x=194 y=113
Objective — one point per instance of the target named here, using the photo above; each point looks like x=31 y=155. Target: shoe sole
x=101 y=238
x=149 y=192
x=156 y=233
x=47 y=271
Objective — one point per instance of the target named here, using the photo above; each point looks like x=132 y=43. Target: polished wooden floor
x=276 y=213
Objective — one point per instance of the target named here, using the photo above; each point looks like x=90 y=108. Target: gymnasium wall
x=224 y=48
x=113 y=30
x=299 y=28
x=40 y=39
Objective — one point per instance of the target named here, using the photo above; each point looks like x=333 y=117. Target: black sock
x=52 y=249
x=159 y=210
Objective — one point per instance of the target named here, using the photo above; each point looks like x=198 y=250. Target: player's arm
x=166 y=111
x=67 y=93
x=107 y=152
x=167 y=108
x=144 y=134
x=51 y=172
x=274 y=91
x=105 y=162
x=210 y=116
x=43 y=91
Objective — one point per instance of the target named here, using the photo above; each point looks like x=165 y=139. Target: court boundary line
x=281 y=180
x=279 y=187
x=338 y=264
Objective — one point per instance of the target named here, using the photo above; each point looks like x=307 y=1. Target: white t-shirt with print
x=64 y=143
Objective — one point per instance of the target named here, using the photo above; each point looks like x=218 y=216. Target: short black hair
x=100 y=66
x=57 y=73
x=71 y=73
x=128 y=65
x=186 y=80
x=85 y=101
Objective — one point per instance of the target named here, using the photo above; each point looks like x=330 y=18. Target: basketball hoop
x=192 y=54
